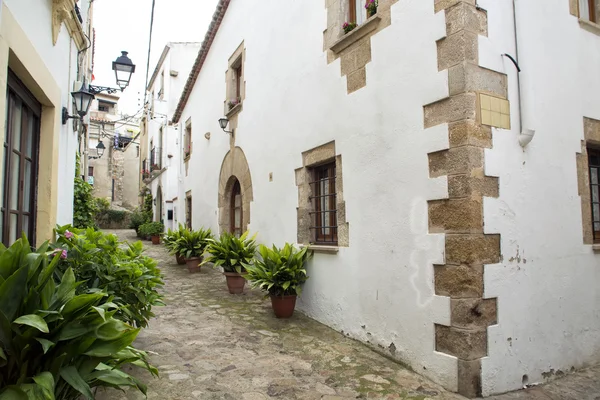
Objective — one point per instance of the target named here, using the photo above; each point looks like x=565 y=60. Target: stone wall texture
x=460 y=216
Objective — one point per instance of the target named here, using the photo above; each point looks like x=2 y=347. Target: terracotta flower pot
x=193 y=264
x=235 y=282
x=180 y=259
x=156 y=239
x=283 y=306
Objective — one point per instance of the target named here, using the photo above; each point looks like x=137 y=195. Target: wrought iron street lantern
x=223 y=122
x=100 y=148
x=123 y=68
x=82 y=100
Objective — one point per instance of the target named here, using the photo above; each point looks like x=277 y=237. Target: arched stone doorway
x=235 y=193
x=159 y=205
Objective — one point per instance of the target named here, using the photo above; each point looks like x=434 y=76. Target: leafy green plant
x=102 y=262
x=193 y=243
x=171 y=240
x=84 y=206
x=55 y=343
x=231 y=253
x=280 y=272
x=153 y=228
x=137 y=219
x=102 y=204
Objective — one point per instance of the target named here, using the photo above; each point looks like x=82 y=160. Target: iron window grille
x=324 y=227
x=594 y=165
x=156 y=159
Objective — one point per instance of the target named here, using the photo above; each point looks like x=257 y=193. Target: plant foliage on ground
x=103 y=263
x=84 y=205
x=280 y=272
x=230 y=252
x=152 y=229
x=171 y=241
x=55 y=341
x=192 y=244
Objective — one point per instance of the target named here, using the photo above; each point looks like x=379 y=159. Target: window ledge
x=234 y=111
x=596 y=248
x=356 y=34
x=590 y=26
x=322 y=249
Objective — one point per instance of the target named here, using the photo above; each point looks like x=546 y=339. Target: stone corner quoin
x=460 y=216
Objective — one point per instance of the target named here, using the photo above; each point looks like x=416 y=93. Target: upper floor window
x=589 y=10
x=161 y=92
x=594 y=165
x=238 y=80
x=187 y=140
x=235 y=82
x=357 y=12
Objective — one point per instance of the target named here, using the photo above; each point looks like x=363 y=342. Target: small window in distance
x=104 y=107
x=324 y=200
x=238 y=81
x=594 y=165
x=187 y=140
x=90 y=171
x=589 y=10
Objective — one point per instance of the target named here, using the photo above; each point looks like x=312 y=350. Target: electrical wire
x=149 y=50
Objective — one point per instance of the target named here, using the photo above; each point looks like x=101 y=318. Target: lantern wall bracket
x=99 y=89
x=66 y=117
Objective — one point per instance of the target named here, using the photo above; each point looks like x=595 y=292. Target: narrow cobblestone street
x=208 y=344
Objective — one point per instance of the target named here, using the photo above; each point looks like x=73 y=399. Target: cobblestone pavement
x=211 y=345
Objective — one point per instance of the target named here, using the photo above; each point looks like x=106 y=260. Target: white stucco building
x=161 y=155
x=42 y=54
x=400 y=153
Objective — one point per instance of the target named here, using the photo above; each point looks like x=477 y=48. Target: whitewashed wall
x=380 y=289
x=548 y=285
x=180 y=58
x=34 y=17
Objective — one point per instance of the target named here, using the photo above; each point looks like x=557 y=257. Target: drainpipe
x=525 y=134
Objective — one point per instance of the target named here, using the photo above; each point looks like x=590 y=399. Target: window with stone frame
x=589 y=10
x=235 y=82
x=324 y=215
x=187 y=140
x=356 y=11
x=594 y=170
x=321 y=207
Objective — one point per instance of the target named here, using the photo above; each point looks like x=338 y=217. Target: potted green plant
x=192 y=245
x=371 y=7
x=349 y=27
x=280 y=272
x=143 y=231
x=154 y=230
x=232 y=254
x=170 y=239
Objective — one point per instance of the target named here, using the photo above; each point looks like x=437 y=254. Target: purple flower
x=69 y=235
x=63 y=255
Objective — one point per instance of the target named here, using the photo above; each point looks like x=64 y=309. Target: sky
x=123 y=25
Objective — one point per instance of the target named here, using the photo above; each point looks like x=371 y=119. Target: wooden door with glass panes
x=21 y=140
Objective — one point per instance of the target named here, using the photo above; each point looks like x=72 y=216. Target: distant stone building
x=114 y=175
x=403 y=153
